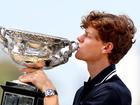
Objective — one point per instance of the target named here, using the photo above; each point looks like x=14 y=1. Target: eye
x=87 y=35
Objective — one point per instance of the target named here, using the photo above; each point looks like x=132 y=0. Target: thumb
x=25 y=78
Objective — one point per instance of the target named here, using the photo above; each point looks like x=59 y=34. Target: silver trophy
x=27 y=48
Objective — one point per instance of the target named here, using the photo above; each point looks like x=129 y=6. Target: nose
x=80 y=38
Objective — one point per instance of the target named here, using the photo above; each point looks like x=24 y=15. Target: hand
x=34 y=74
x=38 y=65
x=38 y=77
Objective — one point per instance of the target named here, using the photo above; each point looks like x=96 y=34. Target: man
x=106 y=40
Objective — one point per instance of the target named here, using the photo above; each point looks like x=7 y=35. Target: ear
x=107 y=48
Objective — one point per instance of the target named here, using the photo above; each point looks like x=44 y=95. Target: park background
x=62 y=18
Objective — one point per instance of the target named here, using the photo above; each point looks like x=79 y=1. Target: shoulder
x=114 y=84
x=79 y=91
x=113 y=89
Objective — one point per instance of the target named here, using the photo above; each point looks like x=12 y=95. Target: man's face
x=90 y=46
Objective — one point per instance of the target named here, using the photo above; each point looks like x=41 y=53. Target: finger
x=29 y=70
x=38 y=64
x=25 y=78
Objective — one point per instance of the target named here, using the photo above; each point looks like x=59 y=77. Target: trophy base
x=15 y=93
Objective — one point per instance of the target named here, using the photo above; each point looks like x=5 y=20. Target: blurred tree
x=8 y=72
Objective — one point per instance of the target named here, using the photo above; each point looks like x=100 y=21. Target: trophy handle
x=63 y=56
x=3 y=40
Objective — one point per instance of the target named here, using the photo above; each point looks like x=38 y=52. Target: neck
x=94 y=68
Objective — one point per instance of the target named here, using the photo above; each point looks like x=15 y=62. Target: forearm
x=50 y=100
x=53 y=100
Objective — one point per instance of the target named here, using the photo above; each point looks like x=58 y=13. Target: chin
x=78 y=56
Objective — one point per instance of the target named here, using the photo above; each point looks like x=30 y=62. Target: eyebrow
x=87 y=32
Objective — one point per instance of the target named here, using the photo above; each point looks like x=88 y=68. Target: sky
x=62 y=18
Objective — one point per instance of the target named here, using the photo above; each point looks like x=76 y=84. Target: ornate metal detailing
x=27 y=47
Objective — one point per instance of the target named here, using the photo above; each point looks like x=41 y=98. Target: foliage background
x=8 y=72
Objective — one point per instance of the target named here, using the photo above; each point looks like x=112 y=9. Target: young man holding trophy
x=106 y=40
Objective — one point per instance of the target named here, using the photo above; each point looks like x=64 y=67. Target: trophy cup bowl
x=27 y=48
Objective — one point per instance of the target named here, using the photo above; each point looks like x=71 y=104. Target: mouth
x=78 y=47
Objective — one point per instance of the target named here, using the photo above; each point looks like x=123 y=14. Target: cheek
x=89 y=50
x=93 y=54
x=94 y=50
